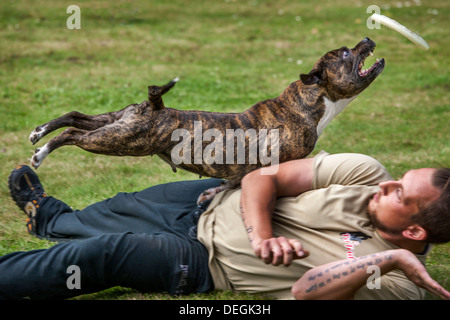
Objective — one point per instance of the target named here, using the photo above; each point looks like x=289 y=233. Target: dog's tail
x=155 y=93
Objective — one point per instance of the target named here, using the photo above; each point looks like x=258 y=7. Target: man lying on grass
x=320 y=228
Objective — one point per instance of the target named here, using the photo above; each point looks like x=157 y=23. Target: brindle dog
x=299 y=114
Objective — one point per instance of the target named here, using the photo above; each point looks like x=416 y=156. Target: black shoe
x=27 y=192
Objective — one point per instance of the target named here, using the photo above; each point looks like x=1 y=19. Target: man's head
x=416 y=206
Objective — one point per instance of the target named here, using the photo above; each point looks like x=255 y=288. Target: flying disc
x=394 y=25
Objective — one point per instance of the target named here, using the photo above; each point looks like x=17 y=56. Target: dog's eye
x=345 y=54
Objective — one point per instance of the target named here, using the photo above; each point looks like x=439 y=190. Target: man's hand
x=416 y=272
x=279 y=250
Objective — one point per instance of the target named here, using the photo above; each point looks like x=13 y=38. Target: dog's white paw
x=37 y=134
x=210 y=193
x=39 y=156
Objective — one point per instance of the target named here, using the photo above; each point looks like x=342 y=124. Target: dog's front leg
x=210 y=193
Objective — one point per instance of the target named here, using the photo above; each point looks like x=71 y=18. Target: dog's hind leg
x=77 y=120
x=91 y=141
x=93 y=122
x=104 y=140
x=67 y=137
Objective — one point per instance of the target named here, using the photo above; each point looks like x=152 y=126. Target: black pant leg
x=155 y=209
x=151 y=263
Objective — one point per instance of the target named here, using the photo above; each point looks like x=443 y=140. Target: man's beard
x=381 y=226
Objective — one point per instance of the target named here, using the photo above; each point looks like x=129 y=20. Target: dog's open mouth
x=364 y=72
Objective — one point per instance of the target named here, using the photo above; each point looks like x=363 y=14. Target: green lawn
x=229 y=55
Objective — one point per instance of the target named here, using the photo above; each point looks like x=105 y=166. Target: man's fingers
x=300 y=252
x=281 y=251
x=417 y=273
x=434 y=287
x=440 y=292
x=266 y=251
x=277 y=251
x=288 y=251
x=272 y=251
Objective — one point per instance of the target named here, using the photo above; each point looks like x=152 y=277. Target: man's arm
x=341 y=279
x=258 y=197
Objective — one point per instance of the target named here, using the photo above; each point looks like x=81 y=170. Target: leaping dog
x=298 y=116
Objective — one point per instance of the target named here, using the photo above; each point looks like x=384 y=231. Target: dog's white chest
x=332 y=109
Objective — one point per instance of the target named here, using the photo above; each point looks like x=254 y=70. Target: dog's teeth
x=364 y=72
x=371 y=53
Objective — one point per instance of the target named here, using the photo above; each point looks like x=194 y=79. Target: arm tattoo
x=249 y=229
x=354 y=265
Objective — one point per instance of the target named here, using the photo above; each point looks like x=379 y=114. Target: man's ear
x=313 y=77
x=415 y=232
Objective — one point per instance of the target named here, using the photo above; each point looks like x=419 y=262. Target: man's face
x=391 y=208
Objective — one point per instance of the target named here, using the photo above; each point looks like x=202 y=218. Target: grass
x=229 y=55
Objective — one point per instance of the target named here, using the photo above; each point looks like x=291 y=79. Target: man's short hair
x=435 y=217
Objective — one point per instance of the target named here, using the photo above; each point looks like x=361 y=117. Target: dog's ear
x=313 y=77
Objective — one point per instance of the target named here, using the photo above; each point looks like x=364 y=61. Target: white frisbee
x=394 y=25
